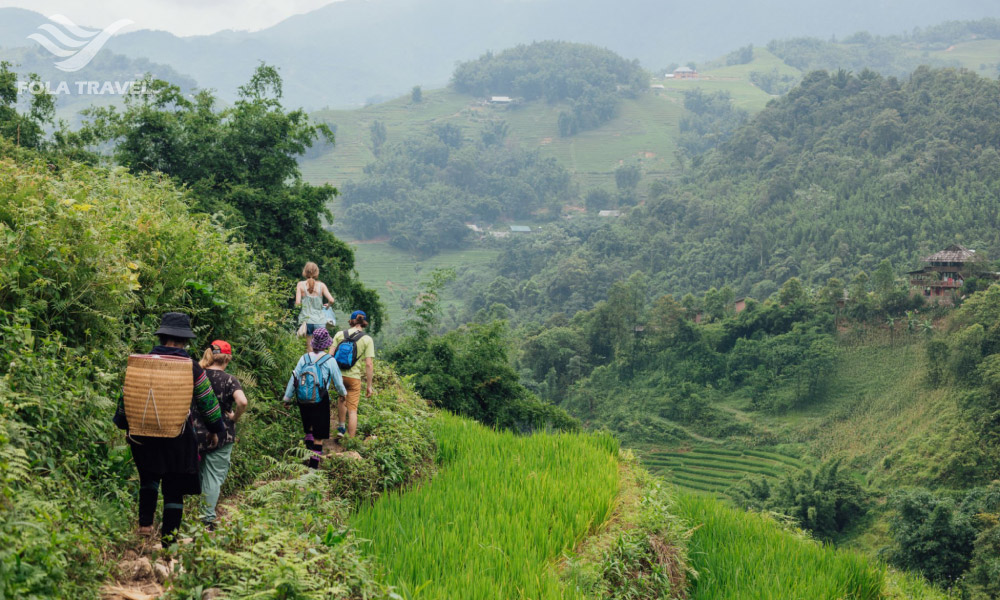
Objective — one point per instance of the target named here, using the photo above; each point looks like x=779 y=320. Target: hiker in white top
x=309 y=294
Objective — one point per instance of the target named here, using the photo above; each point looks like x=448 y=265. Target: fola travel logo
x=76 y=45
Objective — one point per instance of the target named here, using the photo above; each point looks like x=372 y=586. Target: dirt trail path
x=139 y=575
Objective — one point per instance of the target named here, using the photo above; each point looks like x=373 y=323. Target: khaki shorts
x=353 y=392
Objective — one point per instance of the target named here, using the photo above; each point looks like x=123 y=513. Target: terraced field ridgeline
x=714 y=470
x=502 y=508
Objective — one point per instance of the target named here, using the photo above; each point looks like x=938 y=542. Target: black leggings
x=173 y=502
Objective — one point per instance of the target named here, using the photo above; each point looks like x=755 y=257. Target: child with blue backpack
x=309 y=384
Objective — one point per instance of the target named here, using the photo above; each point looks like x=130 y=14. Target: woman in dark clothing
x=171 y=463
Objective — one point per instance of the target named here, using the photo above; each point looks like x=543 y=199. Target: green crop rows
x=501 y=509
x=715 y=470
x=747 y=555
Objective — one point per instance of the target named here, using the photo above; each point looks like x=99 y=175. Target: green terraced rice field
x=501 y=510
x=715 y=470
x=741 y=555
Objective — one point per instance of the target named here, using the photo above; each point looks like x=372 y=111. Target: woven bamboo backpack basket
x=158 y=392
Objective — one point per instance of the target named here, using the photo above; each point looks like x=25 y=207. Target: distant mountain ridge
x=352 y=51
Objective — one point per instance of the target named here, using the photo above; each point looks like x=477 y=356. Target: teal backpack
x=309 y=385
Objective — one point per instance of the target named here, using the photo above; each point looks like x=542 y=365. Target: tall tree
x=240 y=162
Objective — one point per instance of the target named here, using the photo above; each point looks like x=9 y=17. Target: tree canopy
x=241 y=162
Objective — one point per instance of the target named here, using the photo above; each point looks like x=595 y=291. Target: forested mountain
x=889 y=55
x=353 y=50
x=106 y=67
x=422 y=191
x=591 y=79
x=843 y=172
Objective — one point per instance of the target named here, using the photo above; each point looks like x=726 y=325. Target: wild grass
x=502 y=508
x=746 y=555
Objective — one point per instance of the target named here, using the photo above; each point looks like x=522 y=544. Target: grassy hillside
x=643 y=131
x=397 y=275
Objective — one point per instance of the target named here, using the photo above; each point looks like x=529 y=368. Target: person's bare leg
x=342 y=411
x=352 y=423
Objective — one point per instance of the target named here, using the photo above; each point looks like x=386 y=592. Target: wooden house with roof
x=944 y=272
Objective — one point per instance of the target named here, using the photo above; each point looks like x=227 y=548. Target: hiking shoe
x=341 y=431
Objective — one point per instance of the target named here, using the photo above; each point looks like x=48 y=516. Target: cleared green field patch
x=745 y=555
x=645 y=130
x=763 y=61
x=501 y=509
x=396 y=274
x=712 y=474
x=713 y=485
x=982 y=56
x=745 y=95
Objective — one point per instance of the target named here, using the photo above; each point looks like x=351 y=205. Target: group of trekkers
x=180 y=415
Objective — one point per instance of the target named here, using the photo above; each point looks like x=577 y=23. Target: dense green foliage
x=839 y=174
x=89 y=261
x=949 y=537
x=422 y=191
x=501 y=508
x=889 y=55
x=591 y=79
x=825 y=502
x=27 y=130
x=712 y=121
x=468 y=370
x=241 y=164
x=641 y=368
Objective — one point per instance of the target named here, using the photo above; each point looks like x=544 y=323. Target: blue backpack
x=309 y=385
x=346 y=353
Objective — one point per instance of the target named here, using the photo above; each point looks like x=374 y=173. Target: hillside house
x=609 y=213
x=501 y=100
x=944 y=272
x=685 y=73
x=520 y=229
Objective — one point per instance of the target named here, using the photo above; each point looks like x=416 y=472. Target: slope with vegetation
x=93 y=255
x=839 y=174
x=288 y=535
x=665 y=134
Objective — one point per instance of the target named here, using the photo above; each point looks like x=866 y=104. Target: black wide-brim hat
x=176 y=324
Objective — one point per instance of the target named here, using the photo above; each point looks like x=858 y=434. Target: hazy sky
x=181 y=17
